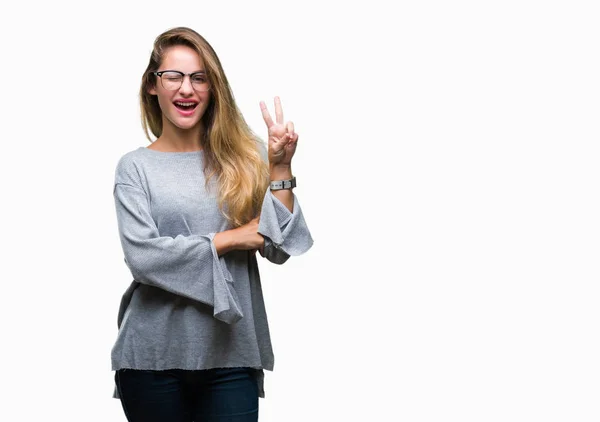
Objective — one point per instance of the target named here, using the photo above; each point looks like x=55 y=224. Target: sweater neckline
x=172 y=153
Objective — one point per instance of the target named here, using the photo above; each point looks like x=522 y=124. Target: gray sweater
x=187 y=307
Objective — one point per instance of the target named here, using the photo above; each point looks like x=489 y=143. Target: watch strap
x=283 y=184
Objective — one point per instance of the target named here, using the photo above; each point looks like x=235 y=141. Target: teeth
x=185 y=104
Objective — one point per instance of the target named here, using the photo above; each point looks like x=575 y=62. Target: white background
x=447 y=167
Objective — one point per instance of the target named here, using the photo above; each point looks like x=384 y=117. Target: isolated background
x=447 y=167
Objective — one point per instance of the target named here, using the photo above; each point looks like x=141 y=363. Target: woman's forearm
x=286 y=196
x=224 y=242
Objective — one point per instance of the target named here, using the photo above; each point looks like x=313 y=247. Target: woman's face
x=183 y=116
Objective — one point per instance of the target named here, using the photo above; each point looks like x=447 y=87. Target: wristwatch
x=283 y=184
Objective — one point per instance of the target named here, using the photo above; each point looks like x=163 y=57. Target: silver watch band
x=283 y=184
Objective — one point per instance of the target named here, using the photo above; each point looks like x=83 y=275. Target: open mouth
x=185 y=106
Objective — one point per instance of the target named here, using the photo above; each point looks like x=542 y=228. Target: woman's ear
x=152 y=91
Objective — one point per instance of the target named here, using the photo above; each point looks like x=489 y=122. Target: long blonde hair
x=231 y=148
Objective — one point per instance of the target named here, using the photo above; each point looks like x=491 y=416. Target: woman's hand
x=245 y=237
x=282 y=138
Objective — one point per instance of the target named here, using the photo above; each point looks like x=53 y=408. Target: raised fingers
x=278 y=111
x=265 y=114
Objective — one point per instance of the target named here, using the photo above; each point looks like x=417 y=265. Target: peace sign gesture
x=282 y=138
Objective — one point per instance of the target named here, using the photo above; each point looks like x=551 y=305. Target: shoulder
x=127 y=170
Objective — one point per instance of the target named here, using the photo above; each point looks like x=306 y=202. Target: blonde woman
x=193 y=208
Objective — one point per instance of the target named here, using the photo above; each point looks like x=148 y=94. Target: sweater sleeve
x=285 y=233
x=185 y=265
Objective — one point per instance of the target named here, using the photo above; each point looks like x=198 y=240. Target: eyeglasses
x=172 y=80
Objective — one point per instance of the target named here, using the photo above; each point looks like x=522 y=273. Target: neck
x=175 y=139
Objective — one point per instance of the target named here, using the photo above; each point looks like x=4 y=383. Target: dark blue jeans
x=177 y=395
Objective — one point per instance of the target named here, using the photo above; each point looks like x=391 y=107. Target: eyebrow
x=173 y=70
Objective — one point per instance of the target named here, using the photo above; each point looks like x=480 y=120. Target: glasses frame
x=159 y=74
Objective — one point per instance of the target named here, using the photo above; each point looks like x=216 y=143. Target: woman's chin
x=185 y=123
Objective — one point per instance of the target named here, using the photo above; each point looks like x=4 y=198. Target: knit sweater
x=186 y=307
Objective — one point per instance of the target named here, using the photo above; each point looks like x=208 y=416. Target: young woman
x=192 y=209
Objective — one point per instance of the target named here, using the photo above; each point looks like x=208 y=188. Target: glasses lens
x=200 y=82
x=171 y=80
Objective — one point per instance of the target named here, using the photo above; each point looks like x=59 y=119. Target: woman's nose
x=186 y=84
